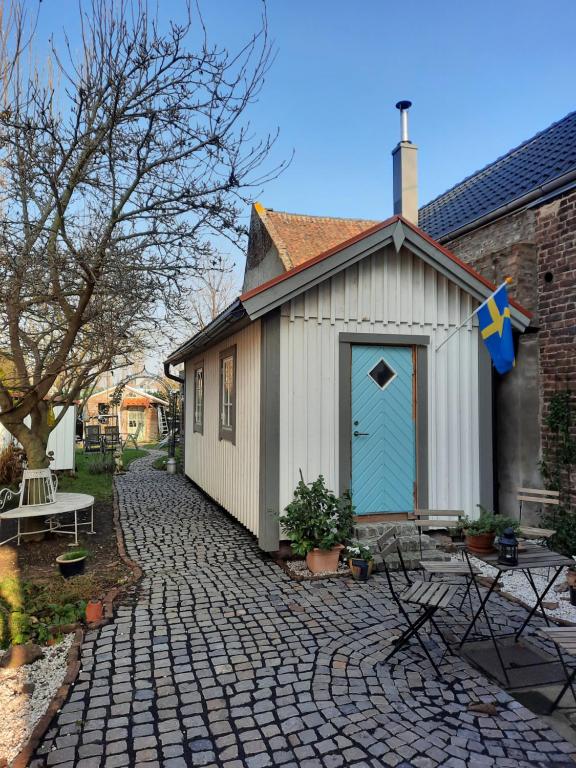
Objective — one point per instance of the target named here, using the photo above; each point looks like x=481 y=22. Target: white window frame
x=227 y=399
x=198 y=415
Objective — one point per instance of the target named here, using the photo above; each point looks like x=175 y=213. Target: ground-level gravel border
x=26 y=752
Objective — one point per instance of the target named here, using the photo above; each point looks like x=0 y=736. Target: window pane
x=382 y=374
x=227 y=389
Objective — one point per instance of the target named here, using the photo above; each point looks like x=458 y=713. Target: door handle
x=361 y=434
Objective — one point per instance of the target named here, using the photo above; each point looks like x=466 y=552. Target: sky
x=483 y=76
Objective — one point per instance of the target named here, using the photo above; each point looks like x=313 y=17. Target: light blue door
x=383 y=429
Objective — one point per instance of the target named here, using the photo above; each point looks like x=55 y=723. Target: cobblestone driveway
x=221 y=660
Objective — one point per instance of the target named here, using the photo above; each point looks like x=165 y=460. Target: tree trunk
x=34 y=440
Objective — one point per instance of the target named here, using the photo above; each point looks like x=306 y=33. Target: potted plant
x=317 y=523
x=357 y=554
x=480 y=534
x=72 y=563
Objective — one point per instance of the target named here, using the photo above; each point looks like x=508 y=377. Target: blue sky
x=483 y=76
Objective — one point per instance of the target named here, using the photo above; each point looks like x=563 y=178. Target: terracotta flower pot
x=94 y=611
x=482 y=543
x=324 y=560
x=355 y=570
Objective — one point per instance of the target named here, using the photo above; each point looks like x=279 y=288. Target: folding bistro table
x=532 y=557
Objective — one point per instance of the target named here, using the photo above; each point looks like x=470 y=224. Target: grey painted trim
x=486 y=469
x=198 y=428
x=269 y=499
x=396 y=339
x=422 y=427
x=227 y=434
x=304 y=279
x=345 y=414
x=420 y=344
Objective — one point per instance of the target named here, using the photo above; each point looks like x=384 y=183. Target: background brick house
x=517 y=217
x=137 y=407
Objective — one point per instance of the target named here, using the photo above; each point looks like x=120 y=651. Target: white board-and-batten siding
x=386 y=293
x=227 y=472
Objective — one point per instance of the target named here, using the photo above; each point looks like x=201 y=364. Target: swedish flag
x=496 y=329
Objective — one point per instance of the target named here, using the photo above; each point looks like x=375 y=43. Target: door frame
x=420 y=344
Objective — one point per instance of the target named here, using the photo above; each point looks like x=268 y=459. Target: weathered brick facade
x=537 y=248
x=556 y=243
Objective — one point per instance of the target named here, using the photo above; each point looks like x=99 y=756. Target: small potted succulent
x=360 y=560
x=72 y=563
x=317 y=522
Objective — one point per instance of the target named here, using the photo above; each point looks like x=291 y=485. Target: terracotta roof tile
x=300 y=238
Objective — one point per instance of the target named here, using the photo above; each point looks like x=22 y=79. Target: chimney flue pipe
x=404 y=106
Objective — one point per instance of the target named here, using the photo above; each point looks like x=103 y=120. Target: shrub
x=103 y=464
x=11 y=465
x=317 y=518
x=564 y=523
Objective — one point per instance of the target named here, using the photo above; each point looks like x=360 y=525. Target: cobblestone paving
x=221 y=660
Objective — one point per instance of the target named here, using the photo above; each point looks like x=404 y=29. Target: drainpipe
x=171 y=463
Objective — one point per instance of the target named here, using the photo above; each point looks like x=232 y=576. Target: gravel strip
x=516 y=584
x=21 y=707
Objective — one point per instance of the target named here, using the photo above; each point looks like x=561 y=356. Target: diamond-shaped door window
x=382 y=374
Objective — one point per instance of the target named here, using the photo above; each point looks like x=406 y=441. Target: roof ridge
x=490 y=165
x=316 y=216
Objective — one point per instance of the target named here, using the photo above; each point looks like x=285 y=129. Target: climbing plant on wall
x=557 y=469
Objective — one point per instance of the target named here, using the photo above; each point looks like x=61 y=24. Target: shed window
x=199 y=399
x=228 y=395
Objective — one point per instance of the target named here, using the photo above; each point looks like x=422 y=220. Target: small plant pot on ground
x=480 y=543
x=361 y=569
x=324 y=560
x=72 y=563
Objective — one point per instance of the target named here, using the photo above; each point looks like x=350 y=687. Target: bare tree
x=117 y=164
x=211 y=292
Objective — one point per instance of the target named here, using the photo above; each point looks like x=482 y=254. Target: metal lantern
x=508 y=547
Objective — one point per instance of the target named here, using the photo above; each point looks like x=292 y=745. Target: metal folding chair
x=430 y=596
x=562 y=637
x=429 y=518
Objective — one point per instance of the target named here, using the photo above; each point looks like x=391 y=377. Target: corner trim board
x=486 y=468
x=269 y=496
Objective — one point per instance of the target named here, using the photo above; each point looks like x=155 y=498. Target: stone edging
x=73 y=658
x=72 y=668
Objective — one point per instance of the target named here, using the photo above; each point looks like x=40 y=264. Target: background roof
x=545 y=157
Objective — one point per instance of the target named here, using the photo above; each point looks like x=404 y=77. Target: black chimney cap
x=403 y=105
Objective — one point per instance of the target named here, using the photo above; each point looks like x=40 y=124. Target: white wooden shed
x=62 y=439
x=327 y=363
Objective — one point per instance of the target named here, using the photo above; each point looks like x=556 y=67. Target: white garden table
x=64 y=503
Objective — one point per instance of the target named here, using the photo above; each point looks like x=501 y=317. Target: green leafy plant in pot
x=72 y=563
x=317 y=522
x=480 y=533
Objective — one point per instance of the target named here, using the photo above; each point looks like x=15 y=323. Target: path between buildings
x=221 y=660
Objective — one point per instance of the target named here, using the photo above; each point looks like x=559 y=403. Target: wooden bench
x=37 y=497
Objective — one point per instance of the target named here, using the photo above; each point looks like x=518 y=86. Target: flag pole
x=507 y=281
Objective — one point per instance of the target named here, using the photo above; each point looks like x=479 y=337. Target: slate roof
x=545 y=157
x=299 y=238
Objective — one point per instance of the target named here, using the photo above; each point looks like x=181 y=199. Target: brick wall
x=556 y=242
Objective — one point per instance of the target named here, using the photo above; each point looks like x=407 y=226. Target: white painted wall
x=62 y=439
x=386 y=293
x=229 y=473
